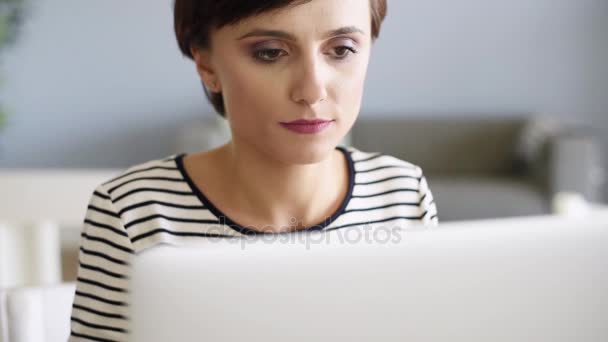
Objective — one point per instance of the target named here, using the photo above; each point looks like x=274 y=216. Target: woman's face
x=306 y=61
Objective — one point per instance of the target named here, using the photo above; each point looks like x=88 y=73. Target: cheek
x=349 y=89
x=244 y=98
x=251 y=102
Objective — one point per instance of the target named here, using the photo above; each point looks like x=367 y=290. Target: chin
x=305 y=153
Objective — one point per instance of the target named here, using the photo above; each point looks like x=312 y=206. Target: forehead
x=312 y=18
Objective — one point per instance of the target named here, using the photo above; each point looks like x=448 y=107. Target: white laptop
x=526 y=279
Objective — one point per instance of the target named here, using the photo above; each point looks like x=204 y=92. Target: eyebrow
x=289 y=36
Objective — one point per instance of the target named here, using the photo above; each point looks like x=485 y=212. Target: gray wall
x=102 y=84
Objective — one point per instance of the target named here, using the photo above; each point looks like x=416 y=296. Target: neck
x=282 y=197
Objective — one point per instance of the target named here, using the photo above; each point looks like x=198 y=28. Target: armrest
x=37 y=313
x=576 y=165
x=3 y=319
x=561 y=157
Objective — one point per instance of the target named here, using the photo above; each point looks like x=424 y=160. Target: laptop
x=522 y=279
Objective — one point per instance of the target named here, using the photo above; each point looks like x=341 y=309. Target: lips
x=307 y=122
x=303 y=126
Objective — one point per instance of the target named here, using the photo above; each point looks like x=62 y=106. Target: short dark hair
x=194 y=20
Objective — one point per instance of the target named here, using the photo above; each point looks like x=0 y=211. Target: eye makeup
x=270 y=51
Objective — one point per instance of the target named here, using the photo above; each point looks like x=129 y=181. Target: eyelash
x=257 y=54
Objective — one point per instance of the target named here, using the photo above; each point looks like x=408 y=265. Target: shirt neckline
x=244 y=230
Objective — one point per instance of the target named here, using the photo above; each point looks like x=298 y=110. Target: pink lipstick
x=307 y=126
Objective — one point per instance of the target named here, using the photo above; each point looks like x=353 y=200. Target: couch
x=487 y=167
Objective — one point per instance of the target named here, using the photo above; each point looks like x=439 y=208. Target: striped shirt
x=157 y=203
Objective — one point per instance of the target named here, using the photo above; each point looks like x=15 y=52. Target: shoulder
x=147 y=168
x=164 y=163
x=397 y=186
x=378 y=162
x=161 y=174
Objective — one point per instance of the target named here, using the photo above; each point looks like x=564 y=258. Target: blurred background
x=504 y=104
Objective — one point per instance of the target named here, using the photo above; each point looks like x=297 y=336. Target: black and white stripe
x=156 y=203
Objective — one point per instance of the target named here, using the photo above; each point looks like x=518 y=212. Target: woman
x=289 y=77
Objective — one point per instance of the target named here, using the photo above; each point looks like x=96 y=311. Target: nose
x=309 y=85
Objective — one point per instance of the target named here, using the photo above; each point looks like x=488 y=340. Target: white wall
x=96 y=83
x=493 y=55
x=102 y=83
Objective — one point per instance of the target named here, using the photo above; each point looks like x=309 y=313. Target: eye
x=268 y=55
x=342 y=52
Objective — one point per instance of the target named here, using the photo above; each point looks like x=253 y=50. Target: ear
x=205 y=69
